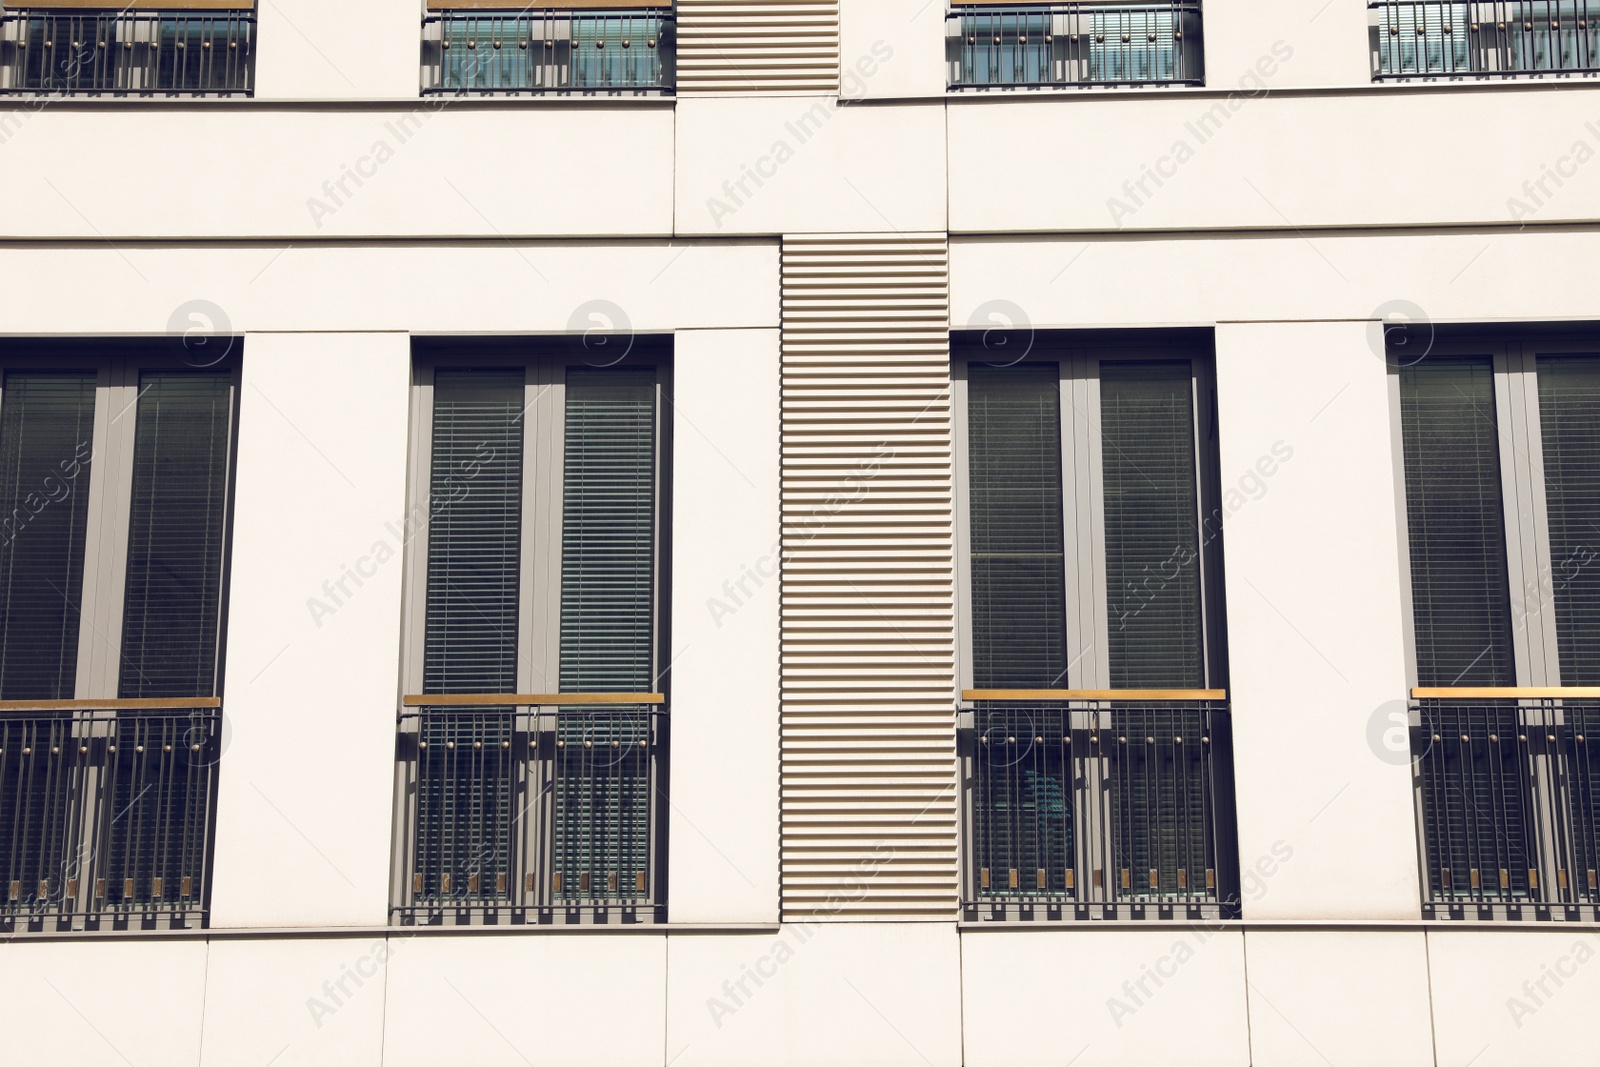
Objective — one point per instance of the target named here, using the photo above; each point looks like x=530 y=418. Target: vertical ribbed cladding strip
x=869 y=757
x=757 y=46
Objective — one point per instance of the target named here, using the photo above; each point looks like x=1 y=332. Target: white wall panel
x=1231 y=160
x=1339 y=996
x=1104 y=998
x=723 y=836
x=102 y=1004
x=305 y=807
x=891 y=48
x=1315 y=630
x=351 y=50
x=1504 y=999
x=437 y=167
x=511 y=1001
x=816 y=995
x=492 y=287
x=303 y=1001
x=807 y=164
x=1328 y=42
x=1196 y=280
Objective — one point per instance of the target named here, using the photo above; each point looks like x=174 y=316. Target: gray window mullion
x=1083 y=500
x=415 y=526
x=1528 y=567
x=962 y=486
x=544 y=418
x=106 y=554
x=1213 y=628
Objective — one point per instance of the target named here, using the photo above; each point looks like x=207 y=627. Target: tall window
x=1502 y=466
x=114 y=494
x=531 y=746
x=1096 y=739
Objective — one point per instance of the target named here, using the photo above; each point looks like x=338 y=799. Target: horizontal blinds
x=46 y=443
x=1455 y=524
x=1569 y=414
x=1019 y=636
x=474 y=532
x=868 y=654
x=176 y=531
x=757 y=46
x=608 y=532
x=1155 y=637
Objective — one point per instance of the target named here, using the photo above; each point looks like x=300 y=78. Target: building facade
x=786 y=532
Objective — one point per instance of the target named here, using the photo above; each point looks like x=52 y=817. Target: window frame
x=1079 y=357
x=1083 y=525
x=102 y=597
x=1514 y=357
x=545 y=361
x=117 y=365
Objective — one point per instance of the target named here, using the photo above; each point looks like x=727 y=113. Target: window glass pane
x=474 y=532
x=1151 y=526
x=608 y=532
x=602 y=783
x=1569 y=413
x=1455 y=525
x=1019 y=638
x=176 y=531
x=46 y=443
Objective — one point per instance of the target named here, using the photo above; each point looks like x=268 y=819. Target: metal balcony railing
x=1508 y=799
x=538 y=50
x=515 y=809
x=106 y=814
x=126 y=50
x=1453 y=38
x=1090 y=43
x=1097 y=804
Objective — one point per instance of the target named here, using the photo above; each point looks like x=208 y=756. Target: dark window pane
x=1151 y=526
x=46 y=441
x=602 y=785
x=177 y=526
x=1455 y=525
x=1019 y=637
x=608 y=532
x=1569 y=413
x=474 y=532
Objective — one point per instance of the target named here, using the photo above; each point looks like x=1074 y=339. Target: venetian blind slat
x=868 y=619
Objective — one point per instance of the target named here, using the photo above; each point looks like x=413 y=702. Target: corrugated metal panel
x=739 y=46
x=869 y=758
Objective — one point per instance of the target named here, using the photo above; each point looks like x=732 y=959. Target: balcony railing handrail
x=1507 y=692
x=140 y=704
x=545 y=700
x=1112 y=695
